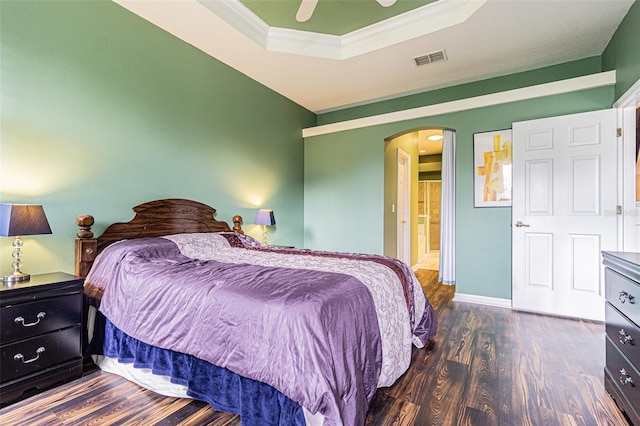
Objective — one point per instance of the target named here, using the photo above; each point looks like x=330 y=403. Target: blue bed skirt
x=257 y=403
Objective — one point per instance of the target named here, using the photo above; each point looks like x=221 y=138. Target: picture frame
x=492 y=168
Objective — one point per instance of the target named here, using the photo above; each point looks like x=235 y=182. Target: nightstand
x=40 y=333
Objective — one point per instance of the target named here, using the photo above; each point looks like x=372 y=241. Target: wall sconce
x=265 y=218
x=17 y=220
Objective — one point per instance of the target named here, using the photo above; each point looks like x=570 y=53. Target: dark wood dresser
x=622 y=317
x=40 y=333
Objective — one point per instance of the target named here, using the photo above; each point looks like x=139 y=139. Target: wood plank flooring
x=487 y=366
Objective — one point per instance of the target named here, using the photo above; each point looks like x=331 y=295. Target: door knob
x=519 y=224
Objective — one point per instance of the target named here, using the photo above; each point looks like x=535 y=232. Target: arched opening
x=424 y=147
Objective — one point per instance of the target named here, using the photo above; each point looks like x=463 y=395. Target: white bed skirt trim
x=143 y=377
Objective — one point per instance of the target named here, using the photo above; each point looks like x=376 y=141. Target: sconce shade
x=265 y=217
x=23 y=219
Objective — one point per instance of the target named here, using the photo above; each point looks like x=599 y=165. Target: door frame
x=403 y=207
x=629 y=232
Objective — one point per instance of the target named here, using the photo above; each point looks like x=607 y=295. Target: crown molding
x=409 y=25
x=241 y=18
x=591 y=81
x=406 y=26
x=285 y=40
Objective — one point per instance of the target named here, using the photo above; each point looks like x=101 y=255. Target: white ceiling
x=428 y=146
x=482 y=39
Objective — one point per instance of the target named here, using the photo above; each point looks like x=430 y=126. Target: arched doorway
x=424 y=146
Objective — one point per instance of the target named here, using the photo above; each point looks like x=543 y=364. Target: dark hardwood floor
x=487 y=366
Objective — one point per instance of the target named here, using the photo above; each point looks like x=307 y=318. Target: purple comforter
x=312 y=335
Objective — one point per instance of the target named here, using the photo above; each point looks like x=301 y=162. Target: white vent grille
x=430 y=58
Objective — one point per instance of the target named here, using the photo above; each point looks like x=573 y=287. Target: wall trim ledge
x=591 y=81
x=482 y=300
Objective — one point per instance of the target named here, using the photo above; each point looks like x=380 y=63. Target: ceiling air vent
x=430 y=58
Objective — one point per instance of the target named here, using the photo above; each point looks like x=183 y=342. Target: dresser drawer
x=623 y=293
x=623 y=333
x=27 y=356
x=625 y=377
x=42 y=316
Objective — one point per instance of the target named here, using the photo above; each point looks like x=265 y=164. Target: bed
x=186 y=306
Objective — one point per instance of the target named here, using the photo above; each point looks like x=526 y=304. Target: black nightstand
x=40 y=333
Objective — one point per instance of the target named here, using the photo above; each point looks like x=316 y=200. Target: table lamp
x=17 y=220
x=265 y=218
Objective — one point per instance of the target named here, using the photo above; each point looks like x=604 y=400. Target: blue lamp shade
x=265 y=217
x=23 y=219
x=17 y=220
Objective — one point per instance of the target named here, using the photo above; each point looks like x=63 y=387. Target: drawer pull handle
x=624 y=337
x=624 y=296
x=31 y=324
x=20 y=357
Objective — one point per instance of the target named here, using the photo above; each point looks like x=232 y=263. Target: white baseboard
x=482 y=300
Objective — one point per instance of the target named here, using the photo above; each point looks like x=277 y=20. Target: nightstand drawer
x=30 y=319
x=27 y=356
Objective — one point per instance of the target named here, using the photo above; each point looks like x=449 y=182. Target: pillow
x=199 y=245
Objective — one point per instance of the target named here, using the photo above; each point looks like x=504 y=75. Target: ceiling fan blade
x=306 y=10
x=386 y=3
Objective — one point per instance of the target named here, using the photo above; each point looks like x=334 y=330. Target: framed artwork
x=492 y=171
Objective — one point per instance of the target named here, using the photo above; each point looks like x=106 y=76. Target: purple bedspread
x=312 y=335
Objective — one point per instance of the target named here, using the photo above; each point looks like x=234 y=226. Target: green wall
x=101 y=111
x=623 y=52
x=344 y=177
x=483 y=240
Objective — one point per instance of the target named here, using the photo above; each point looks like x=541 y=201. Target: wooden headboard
x=152 y=219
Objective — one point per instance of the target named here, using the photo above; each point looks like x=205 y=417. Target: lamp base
x=17 y=276
x=265 y=239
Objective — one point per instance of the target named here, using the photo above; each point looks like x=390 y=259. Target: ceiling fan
x=308 y=6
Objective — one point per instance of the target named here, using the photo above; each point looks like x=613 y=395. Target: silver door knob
x=519 y=224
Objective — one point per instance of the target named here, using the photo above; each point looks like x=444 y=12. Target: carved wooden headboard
x=152 y=219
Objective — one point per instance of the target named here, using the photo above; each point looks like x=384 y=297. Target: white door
x=564 y=212
x=404 y=207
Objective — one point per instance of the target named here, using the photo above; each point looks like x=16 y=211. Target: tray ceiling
x=330 y=16
x=323 y=68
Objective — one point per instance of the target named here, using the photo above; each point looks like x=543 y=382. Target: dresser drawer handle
x=31 y=324
x=624 y=337
x=624 y=296
x=19 y=357
x=625 y=378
